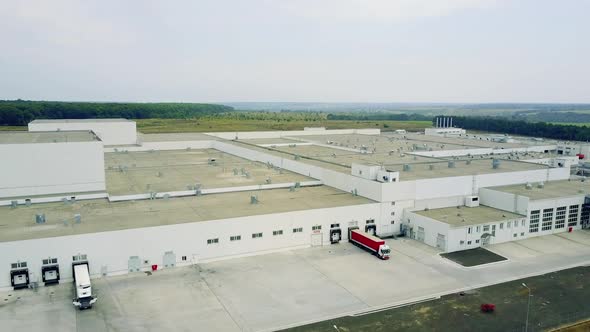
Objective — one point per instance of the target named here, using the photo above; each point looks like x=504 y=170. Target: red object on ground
x=581 y=156
x=488 y=307
x=369 y=241
x=154 y=267
x=569 y=230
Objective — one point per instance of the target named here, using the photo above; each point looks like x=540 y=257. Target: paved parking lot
x=283 y=289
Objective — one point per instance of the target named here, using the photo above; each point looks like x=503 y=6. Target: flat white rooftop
x=465 y=216
x=549 y=190
x=24 y=137
x=101 y=216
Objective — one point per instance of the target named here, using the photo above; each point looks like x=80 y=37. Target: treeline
x=21 y=112
x=562 y=117
x=379 y=117
x=535 y=129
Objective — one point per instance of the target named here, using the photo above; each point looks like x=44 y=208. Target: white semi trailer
x=83 y=288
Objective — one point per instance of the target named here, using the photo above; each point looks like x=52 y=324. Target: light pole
x=528 y=306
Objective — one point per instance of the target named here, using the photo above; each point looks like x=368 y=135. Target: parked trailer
x=369 y=242
x=82 y=287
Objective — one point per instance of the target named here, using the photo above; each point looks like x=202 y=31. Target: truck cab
x=384 y=251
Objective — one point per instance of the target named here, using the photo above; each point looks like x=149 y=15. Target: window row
x=259 y=235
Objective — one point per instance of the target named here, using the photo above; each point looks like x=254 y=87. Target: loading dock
x=19 y=275
x=50 y=271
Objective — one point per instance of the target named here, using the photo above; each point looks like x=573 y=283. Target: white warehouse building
x=110 y=131
x=180 y=199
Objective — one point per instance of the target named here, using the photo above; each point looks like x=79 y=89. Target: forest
x=535 y=129
x=21 y=112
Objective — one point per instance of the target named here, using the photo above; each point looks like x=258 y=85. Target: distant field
x=149 y=126
x=13 y=128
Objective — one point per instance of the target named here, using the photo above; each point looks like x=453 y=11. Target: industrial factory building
x=126 y=202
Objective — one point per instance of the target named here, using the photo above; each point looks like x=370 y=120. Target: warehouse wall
x=278 y=134
x=111 y=133
x=189 y=239
x=51 y=168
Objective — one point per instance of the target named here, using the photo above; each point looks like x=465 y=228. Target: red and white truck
x=369 y=242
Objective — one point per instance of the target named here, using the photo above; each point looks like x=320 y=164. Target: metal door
x=316 y=239
x=134 y=264
x=420 y=234
x=169 y=259
x=441 y=242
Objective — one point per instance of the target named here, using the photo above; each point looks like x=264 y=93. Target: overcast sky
x=296 y=50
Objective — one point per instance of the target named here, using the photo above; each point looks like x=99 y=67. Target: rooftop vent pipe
x=495 y=163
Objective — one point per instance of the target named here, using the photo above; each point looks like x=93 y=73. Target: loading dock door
x=316 y=239
x=50 y=274
x=19 y=278
x=441 y=242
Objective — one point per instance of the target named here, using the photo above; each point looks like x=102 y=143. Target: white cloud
x=388 y=10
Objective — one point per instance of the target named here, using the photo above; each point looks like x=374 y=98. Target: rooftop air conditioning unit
x=472 y=201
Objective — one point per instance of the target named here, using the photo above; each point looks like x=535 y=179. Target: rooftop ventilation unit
x=77 y=218
x=407 y=168
x=253 y=199
x=528 y=186
x=468 y=162
x=297 y=184
x=40 y=218
x=495 y=163
x=541 y=185
x=451 y=164
x=268 y=180
x=13 y=204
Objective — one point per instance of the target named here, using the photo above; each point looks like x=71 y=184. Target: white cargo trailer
x=83 y=288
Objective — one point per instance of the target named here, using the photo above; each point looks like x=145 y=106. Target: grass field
x=557 y=299
x=13 y=128
x=151 y=126
x=221 y=124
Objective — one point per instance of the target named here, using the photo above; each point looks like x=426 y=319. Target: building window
x=235 y=238
x=560 y=217
x=392 y=203
x=334 y=225
x=508 y=224
x=469 y=230
x=372 y=221
x=298 y=230
x=477 y=241
x=486 y=228
x=478 y=229
x=461 y=242
x=393 y=213
x=50 y=261
x=501 y=225
x=534 y=221
x=468 y=242
x=256 y=235
x=183 y=258
x=547 y=220
x=572 y=219
x=277 y=232
x=522 y=222
x=316 y=227
x=212 y=241
x=514 y=235
x=18 y=265
x=522 y=234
